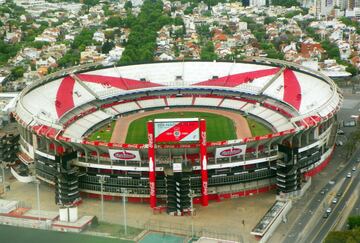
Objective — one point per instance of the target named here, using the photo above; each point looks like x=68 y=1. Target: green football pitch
x=218 y=127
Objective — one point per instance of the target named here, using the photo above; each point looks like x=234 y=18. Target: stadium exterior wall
x=256 y=171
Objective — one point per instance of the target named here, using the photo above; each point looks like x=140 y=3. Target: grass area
x=116 y=230
x=257 y=128
x=20 y=235
x=104 y=133
x=218 y=127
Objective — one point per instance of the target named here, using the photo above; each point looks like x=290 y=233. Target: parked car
x=335 y=200
x=339 y=194
x=353 y=168
x=339 y=143
x=348 y=175
x=328 y=210
x=340 y=132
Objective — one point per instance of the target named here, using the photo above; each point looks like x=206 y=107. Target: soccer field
x=217 y=127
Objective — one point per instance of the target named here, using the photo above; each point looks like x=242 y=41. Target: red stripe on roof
x=121 y=83
x=64 y=97
x=292 y=89
x=237 y=79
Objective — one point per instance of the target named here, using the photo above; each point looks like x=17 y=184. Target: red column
x=203 y=161
x=151 y=155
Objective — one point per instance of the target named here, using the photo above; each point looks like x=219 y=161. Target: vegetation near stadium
x=350 y=235
x=218 y=127
x=41 y=236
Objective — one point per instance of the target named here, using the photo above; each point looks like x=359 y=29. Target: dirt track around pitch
x=122 y=124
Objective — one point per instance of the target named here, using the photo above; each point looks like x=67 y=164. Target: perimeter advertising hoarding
x=131 y=155
x=176 y=130
x=226 y=152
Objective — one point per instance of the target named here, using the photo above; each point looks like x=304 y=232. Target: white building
x=242 y=26
x=115 y=54
x=99 y=36
x=31 y=53
x=257 y=3
x=30 y=3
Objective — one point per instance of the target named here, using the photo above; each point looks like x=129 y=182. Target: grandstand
x=56 y=113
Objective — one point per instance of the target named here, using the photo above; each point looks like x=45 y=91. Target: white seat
x=207 y=101
x=179 y=101
x=152 y=103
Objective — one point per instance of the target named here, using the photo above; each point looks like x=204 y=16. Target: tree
x=178 y=21
x=203 y=30
x=84 y=38
x=354 y=222
x=107 y=11
x=128 y=5
x=272 y=53
x=38 y=44
x=269 y=20
x=71 y=58
x=91 y=2
x=350 y=22
x=189 y=9
x=208 y=52
x=311 y=32
x=285 y=3
x=7 y=51
x=347 y=236
x=260 y=35
x=291 y=14
x=331 y=49
x=352 y=69
x=17 y=72
x=107 y=46
x=115 y=21
x=141 y=42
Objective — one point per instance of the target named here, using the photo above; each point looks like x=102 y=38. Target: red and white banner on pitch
x=226 y=152
x=132 y=155
x=177 y=130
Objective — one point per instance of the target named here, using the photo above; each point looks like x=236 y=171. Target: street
x=305 y=222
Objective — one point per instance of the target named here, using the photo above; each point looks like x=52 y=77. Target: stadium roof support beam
x=272 y=79
x=79 y=81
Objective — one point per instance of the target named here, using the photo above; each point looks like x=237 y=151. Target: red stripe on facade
x=292 y=89
x=64 y=96
x=237 y=79
x=320 y=167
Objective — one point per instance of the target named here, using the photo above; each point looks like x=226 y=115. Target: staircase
x=66 y=187
x=178 y=190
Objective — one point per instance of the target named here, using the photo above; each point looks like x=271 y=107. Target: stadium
x=171 y=132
